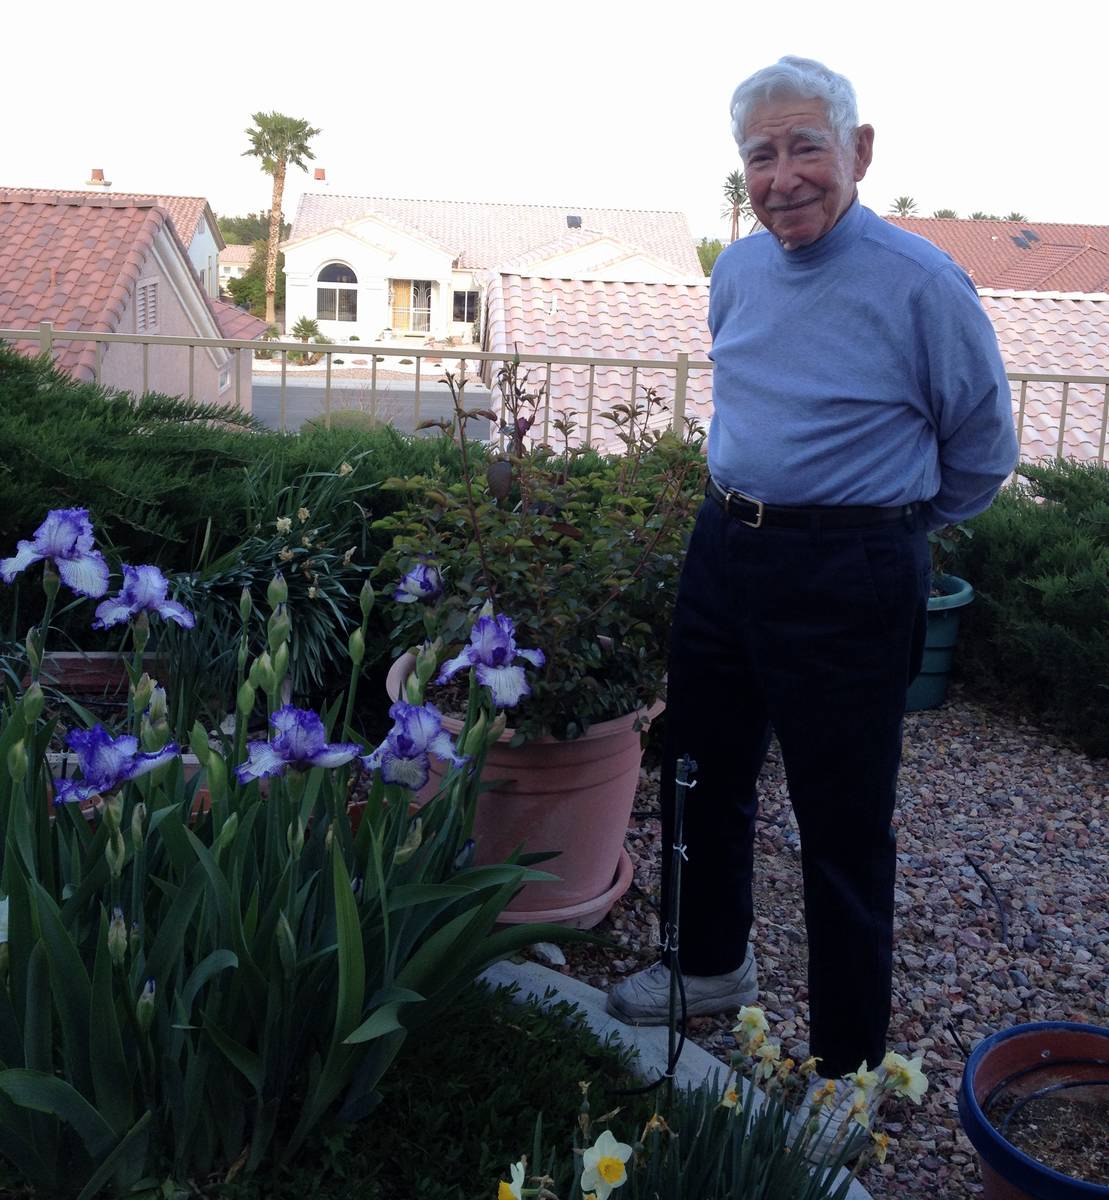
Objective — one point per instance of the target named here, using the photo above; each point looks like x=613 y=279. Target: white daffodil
x=862 y=1079
x=768 y=1053
x=283 y=524
x=513 y=1190
x=603 y=1165
x=749 y=1024
x=904 y=1077
x=730 y=1098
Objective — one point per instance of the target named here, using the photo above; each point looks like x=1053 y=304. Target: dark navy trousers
x=814 y=634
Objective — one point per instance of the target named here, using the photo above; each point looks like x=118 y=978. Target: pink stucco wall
x=168 y=366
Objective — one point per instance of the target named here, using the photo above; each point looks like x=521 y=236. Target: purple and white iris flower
x=417 y=732
x=105 y=763
x=492 y=653
x=421 y=582
x=66 y=538
x=298 y=742
x=144 y=590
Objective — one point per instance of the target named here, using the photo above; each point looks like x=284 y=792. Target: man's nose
x=785 y=174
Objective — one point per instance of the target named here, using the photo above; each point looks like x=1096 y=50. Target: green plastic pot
x=929 y=688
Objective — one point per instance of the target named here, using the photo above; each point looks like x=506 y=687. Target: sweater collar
x=845 y=231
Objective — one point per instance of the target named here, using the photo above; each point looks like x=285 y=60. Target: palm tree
x=1015 y=216
x=739 y=204
x=277 y=140
x=945 y=213
x=983 y=216
x=903 y=206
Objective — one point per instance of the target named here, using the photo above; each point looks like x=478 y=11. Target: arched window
x=336 y=293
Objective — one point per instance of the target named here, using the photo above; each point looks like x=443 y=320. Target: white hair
x=806 y=79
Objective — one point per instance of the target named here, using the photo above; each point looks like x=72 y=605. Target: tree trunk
x=735 y=223
x=271 y=244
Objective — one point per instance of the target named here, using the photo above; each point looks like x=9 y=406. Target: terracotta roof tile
x=184 y=211
x=1021 y=254
x=43 y=239
x=492 y=235
x=236 y=256
x=610 y=320
x=234 y=323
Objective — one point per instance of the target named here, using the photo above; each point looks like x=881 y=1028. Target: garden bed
x=978 y=792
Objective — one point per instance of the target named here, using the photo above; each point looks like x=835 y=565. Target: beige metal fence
x=1084 y=394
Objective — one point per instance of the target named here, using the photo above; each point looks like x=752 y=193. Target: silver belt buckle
x=757 y=522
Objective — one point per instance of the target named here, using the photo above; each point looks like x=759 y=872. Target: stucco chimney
x=96 y=179
x=320 y=175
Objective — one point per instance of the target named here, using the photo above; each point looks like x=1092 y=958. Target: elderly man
x=859 y=401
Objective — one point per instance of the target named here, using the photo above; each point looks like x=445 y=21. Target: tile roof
x=609 y=320
x=1038 y=334
x=236 y=256
x=74 y=260
x=492 y=235
x=72 y=263
x=1000 y=254
x=185 y=211
x=1053 y=334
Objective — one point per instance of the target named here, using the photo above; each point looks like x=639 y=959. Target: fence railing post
x=681 y=377
x=46 y=337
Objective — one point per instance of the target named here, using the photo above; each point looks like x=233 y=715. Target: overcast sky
x=601 y=103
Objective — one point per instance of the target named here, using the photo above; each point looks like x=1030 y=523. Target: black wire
x=1047 y=1091
x=671 y=1064
x=1049 y=1065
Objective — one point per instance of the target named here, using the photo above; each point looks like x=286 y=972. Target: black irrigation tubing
x=1048 y=1065
x=996 y=898
x=1051 y=1090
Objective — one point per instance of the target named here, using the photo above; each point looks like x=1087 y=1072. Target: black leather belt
x=749 y=511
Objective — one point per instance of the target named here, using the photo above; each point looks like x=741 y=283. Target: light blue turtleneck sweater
x=861 y=369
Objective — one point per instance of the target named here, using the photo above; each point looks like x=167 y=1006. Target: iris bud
x=280 y=664
x=496 y=728
x=116 y=854
x=475 y=738
x=159 y=706
x=280 y=627
x=411 y=843
x=144 y=1009
x=357 y=647
x=245 y=605
x=295 y=837
x=138 y=820
x=142 y=691
x=366 y=599
x=244 y=702
x=117 y=937
x=261 y=672
x=33 y=700
x=217 y=774
x=51 y=580
x=227 y=833
x=198 y=742
x=113 y=812
x=17 y=762
x=33 y=655
x=140 y=632
x=278 y=591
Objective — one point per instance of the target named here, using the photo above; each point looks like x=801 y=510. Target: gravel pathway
x=1002 y=902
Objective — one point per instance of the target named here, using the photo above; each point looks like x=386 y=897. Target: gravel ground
x=1002 y=896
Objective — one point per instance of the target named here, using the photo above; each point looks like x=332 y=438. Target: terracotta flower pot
x=94 y=672
x=572 y=797
x=1026 y=1061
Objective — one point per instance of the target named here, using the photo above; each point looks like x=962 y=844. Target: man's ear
x=864 y=149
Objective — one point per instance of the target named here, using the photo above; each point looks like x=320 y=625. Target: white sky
x=599 y=103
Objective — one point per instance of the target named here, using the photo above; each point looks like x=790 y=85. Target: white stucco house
x=375 y=267
x=233 y=263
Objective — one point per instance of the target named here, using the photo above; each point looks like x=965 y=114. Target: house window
x=336 y=293
x=466 y=306
x=146 y=306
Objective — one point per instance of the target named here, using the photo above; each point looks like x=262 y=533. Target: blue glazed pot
x=929 y=688
x=1057 y=1052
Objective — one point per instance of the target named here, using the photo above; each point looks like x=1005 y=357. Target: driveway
x=393 y=402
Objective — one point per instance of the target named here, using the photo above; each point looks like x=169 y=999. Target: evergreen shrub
x=1038 y=633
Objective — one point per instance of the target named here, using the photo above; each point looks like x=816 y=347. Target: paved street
x=393 y=403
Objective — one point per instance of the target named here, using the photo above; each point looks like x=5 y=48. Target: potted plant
x=584 y=551
x=1034 y=1102
x=950 y=595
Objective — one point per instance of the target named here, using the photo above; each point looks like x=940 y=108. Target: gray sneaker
x=644 y=998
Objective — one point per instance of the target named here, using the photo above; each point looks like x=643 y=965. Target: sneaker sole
x=702 y=1008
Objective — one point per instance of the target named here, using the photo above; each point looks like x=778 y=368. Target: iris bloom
x=492 y=651
x=603 y=1165
x=298 y=742
x=421 y=582
x=513 y=1190
x=404 y=755
x=66 y=537
x=105 y=763
x=144 y=590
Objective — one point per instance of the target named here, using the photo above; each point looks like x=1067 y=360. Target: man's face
x=800 y=179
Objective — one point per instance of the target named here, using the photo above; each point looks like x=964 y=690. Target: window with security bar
x=336 y=293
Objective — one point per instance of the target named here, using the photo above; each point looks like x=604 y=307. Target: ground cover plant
x=193 y=984
x=1037 y=634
